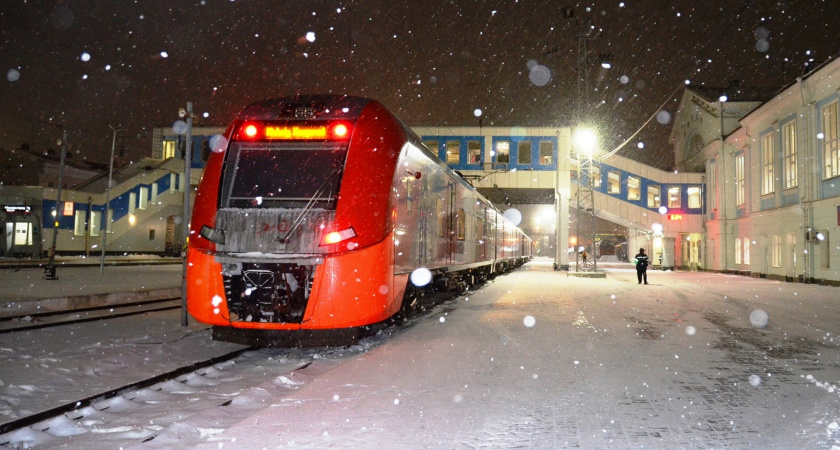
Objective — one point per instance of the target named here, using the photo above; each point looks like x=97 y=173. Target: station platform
x=24 y=288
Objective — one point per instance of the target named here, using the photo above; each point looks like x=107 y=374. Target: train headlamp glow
x=334 y=237
x=251 y=131
x=213 y=235
x=340 y=130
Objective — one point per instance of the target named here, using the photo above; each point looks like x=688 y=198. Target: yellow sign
x=295 y=132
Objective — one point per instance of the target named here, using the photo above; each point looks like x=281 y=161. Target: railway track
x=35 y=321
x=79 y=405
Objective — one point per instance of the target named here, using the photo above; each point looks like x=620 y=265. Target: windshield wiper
x=309 y=205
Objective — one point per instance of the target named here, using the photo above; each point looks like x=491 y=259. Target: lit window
x=144 y=198
x=789 y=144
x=433 y=145
x=831 y=141
x=653 y=197
x=546 y=152
x=595 y=175
x=776 y=250
x=674 y=200
x=746 y=251
x=474 y=152
x=634 y=190
x=614 y=183
x=740 y=196
x=693 y=193
x=132 y=202
x=768 y=162
x=503 y=152
x=79 y=228
x=453 y=152
x=95 y=223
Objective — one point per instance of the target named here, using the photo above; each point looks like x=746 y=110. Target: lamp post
x=50 y=271
x=585 y=141
x=181 y=127
x=104 y=220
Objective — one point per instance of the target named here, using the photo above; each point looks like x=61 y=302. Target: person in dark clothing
x=641 y=265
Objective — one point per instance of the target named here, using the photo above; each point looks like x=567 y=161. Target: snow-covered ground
x=534 y=359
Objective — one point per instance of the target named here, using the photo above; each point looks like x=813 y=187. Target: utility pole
x=104 y=222
x=49 y=273
x=585 y=196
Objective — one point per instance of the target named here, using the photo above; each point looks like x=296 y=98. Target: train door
x=451 y=238
x=481 y=234
x=423 y=224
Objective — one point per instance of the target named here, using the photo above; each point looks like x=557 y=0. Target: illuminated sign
x=68 y=209
x=674 y=216
x=17 y=209
x=295 y=132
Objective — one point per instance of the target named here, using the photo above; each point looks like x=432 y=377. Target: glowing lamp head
x=334 y=237
x=340 y=130
x=585 y=141
x=251 y=131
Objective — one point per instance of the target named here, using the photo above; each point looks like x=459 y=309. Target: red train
x=310 y=219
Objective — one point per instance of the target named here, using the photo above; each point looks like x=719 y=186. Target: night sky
x=89 y=65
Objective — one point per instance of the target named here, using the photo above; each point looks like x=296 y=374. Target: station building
x=755 y=190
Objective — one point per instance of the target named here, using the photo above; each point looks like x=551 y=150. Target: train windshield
x=283 y=175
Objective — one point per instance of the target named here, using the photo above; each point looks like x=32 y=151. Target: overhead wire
x=718 y=37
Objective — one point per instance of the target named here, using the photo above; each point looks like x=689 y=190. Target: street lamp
x=585 y=142
x=185 y=127
x=49 y=273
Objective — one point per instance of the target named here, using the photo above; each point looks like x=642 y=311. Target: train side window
x=409 y=194
x=503 y=152
x=546 y=152
x=474 y=152
x=441 y=216
x=524 y=156
x=461 y=227
x=453 y=152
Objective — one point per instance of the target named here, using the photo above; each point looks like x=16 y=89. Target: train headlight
x=334 y=237
x=213 y=235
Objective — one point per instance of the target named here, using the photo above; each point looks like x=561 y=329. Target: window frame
x=789 y=168
x=631 y=190
x=524 y=147
x=657 y=199
x=768 y=162
x=831 y=139
x=614 y=182
x=497 y=153
x=453 y=157
x=740 y=188
x=674 y=202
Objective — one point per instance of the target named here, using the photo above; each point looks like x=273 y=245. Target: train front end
x=291 y=233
